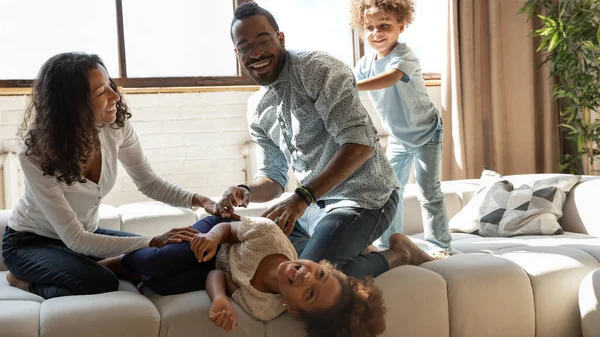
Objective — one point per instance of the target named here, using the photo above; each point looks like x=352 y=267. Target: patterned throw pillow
x=498 y=209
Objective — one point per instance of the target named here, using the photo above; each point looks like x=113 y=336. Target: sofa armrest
x=581 y=212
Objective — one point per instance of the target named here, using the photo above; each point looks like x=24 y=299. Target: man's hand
x=222 y=313
x=286 y=213
x=204 y=244
x=233 y=197
x=175 y=235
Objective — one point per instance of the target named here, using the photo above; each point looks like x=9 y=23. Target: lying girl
x=257 y=266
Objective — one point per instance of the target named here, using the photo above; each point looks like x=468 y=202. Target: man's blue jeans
x=427 y=160
x=340 y=235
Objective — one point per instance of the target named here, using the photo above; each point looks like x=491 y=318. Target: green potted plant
x=570 y=39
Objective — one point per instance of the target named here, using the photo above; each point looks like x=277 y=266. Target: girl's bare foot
x=442 y=254
x=115 y=264
x=403 y=251
x=370 y=249
x=17 y=282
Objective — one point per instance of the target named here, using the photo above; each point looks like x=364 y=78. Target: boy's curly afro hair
x=359 y=311
x=403 y=10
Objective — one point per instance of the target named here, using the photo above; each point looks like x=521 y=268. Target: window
x=315 y=25
x=426 y=36
x=157 y=43
x=31 y=31
x=178 y=38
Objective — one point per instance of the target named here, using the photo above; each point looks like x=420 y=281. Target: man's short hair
x=249 y=9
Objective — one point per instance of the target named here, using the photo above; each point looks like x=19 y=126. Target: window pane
x=178 y=38
x=31 y=31
x=297 y=18
x=427 y=35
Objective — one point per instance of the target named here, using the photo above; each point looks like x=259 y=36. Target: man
x=308 y=114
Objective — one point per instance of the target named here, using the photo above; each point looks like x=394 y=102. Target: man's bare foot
x=403 y=251
x=17 y=282
x=115 y=264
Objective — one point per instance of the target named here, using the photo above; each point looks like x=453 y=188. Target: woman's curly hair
x=59 y=125
x=358 y=312
x=403 y=10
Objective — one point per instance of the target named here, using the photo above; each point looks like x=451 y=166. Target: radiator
x=11 y=180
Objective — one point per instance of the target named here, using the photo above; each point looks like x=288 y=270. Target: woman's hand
x=207 y=203
x=204 y=244
x=175 y=235
x=222 y=313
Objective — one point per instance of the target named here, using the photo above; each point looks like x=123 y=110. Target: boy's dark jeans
x=340 y=235
x=52 y=269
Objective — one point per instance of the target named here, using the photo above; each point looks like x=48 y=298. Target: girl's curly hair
x=59 y=125
x=358 y=312
x=403 y=10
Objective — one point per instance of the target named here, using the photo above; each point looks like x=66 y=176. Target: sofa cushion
x=581 y=208
x=487 y=295
x=186 y=315
x=589 y=307
x=118 y=313
x=154 y=218
x=10 y=293
x=555 y=274
x=19 y=318
x=499 y=209
x=414 y=298
x=110 y=218
x=454 y=194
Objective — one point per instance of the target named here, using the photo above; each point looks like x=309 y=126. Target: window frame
x=190 y=81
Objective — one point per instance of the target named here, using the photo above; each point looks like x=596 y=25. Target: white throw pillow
x=498 y=209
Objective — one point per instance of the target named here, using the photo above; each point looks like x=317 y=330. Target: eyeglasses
x=262 y=43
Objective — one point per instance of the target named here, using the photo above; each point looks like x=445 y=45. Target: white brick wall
x=195 y=140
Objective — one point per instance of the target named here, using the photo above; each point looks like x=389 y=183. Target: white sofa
x=544 y=286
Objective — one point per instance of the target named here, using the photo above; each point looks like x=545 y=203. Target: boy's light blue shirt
x=407 y=113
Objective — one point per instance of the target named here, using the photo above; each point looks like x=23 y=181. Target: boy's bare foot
x=17 y=282
x=115 y=264
x=403 y=251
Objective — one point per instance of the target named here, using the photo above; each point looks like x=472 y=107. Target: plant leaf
x=553 y=42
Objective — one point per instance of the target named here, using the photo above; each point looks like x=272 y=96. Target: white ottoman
x=589 y=297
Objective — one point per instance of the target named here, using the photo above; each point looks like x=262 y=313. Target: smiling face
x=307 y=286
x=259 y=48
x=104 y=98
x=381 y=30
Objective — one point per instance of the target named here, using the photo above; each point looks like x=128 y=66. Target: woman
x=258 y=267
x=75 y=129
